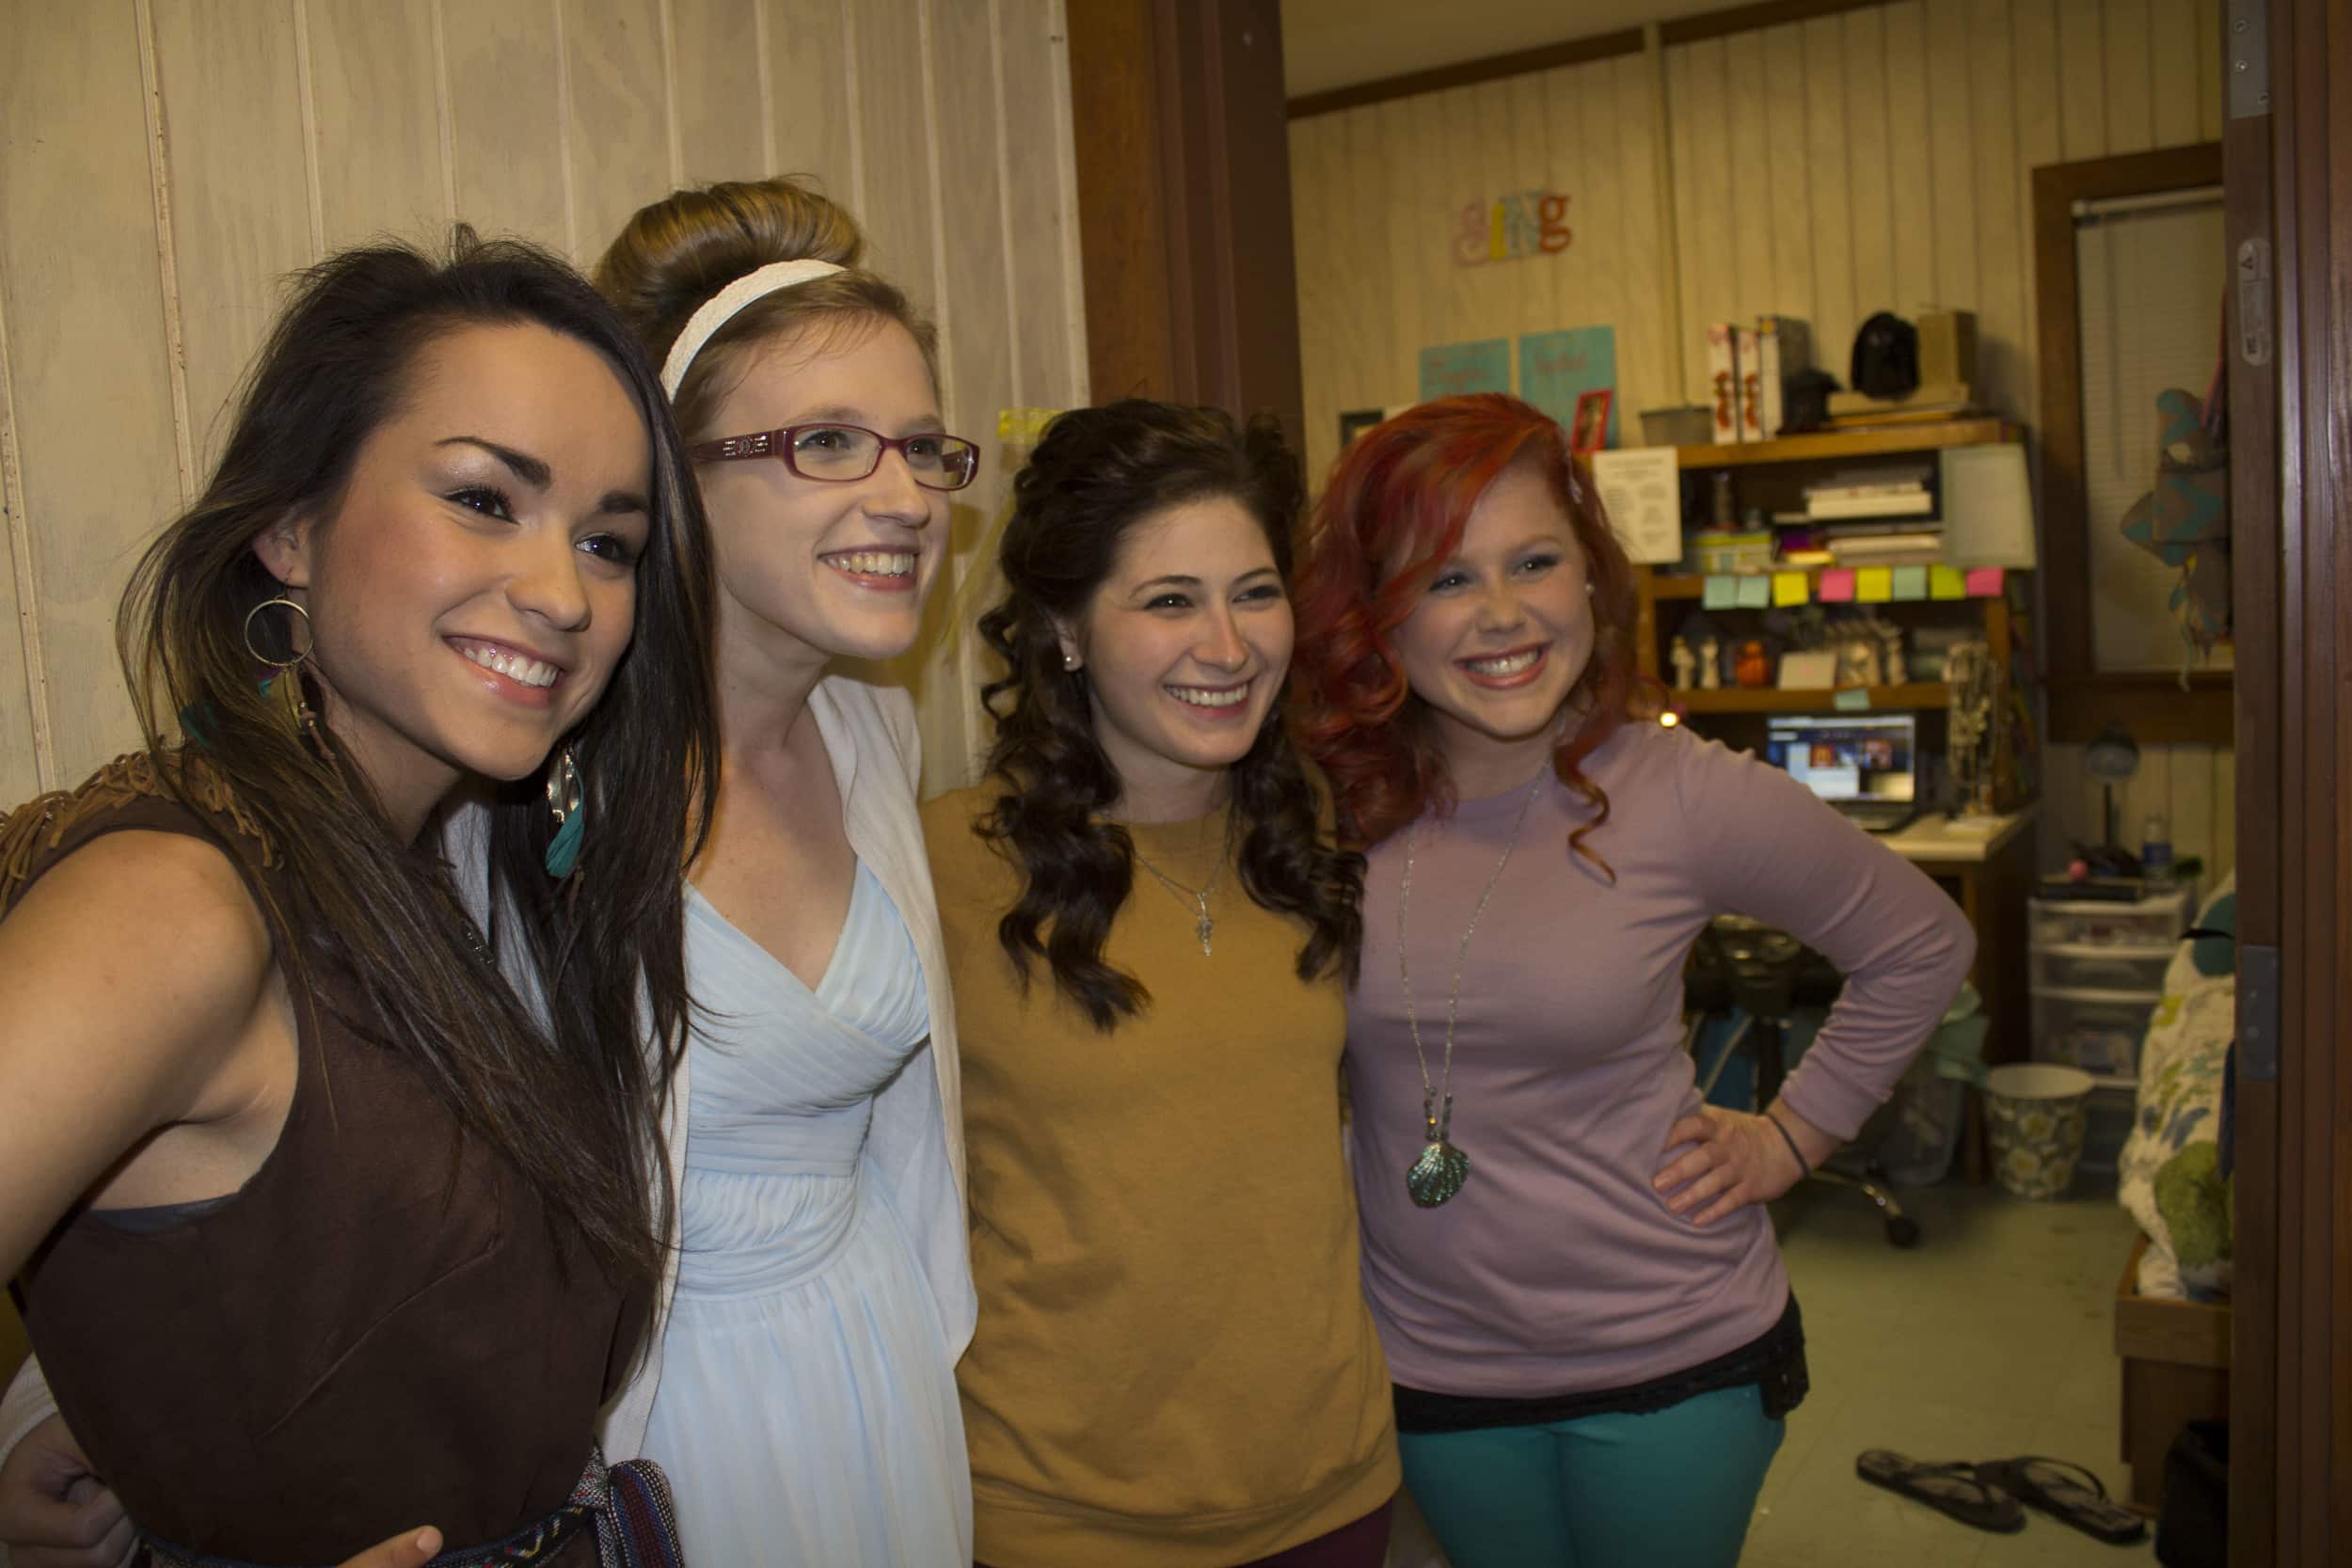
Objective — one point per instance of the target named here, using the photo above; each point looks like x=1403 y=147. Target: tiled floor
x=1993 y=1338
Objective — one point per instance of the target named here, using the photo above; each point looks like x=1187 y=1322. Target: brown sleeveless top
x=379 y=1330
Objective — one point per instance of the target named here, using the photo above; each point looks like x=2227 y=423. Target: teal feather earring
x=565 y=801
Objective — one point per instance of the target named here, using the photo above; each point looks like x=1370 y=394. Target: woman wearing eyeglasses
x=822 y=1289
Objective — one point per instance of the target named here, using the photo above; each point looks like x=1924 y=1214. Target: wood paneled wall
x=1375 y=197
x=1877 y=159
x=2194 y=786
x=165 y=164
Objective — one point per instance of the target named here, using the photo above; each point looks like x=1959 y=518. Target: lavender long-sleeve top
x=1558 y=1270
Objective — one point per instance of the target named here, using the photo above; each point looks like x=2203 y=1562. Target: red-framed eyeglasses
x=836 y=454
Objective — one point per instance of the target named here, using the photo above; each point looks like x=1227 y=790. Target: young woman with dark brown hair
x=1150 y=929
x=323 y=1228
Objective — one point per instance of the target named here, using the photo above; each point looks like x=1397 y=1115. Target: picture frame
x=1808 y=670
x=1590 y=432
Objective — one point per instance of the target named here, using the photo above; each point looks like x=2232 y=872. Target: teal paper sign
x=1720 y=592
x=1755 y=592
x=1557 y=367
x=1852 y=700
x=1452 y=369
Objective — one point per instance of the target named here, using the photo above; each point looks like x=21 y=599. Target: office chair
x=1759 y=976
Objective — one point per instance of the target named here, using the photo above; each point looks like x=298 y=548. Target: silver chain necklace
x=1439 y=1170
x=1204 y=925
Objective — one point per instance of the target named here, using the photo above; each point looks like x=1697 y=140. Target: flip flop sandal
x=1954 y=1489
x=2065 y=1491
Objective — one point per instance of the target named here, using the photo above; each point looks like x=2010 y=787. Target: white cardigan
x=916 y=1145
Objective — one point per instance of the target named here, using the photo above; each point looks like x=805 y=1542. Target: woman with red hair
x=1584 y=1308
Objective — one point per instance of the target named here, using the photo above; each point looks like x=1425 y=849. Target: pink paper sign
x=1837 y=585
x=1985 y=582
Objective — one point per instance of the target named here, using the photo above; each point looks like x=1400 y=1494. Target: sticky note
x=1852 y=700
x=1755 y=592
x=1875 y=584
x=1985 y=582
x=1837 y=585
x=1789 y=587
x=1945 y=582
x=1911 y=582
x=1720 y=591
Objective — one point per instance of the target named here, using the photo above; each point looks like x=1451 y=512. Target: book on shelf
x=1898 y=550
x=1864 y=528
x=1913 y=504
x=1880 y=480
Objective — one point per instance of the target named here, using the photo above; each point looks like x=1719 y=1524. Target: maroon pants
x=1362 y=1545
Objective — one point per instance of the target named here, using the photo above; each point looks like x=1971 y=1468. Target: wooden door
x=2288 y=173
x=1181 y=131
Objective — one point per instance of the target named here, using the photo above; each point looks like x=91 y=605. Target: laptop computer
x=1867 y=765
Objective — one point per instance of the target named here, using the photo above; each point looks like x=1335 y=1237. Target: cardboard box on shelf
x=1723 y=380
x=1751 y=358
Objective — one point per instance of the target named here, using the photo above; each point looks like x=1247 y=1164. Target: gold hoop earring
x=284 y=687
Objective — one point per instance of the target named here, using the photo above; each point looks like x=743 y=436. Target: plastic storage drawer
x=2090 y=922
x=2088 y=968
x=2097 y=1031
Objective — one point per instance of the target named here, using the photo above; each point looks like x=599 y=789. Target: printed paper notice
x=1642 y=489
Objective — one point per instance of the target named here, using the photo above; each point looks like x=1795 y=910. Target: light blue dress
x=806 y=1412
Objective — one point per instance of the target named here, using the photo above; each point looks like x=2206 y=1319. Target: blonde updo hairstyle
x=673 y=256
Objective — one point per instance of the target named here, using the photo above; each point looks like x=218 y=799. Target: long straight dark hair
x=570 y=1100
x=1096 y=475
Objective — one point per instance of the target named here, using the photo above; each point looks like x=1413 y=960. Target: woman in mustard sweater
x=1149 y=931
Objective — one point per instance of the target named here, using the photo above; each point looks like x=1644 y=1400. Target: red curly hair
x=1395 y=511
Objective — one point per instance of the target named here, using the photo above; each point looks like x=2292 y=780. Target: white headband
x=721 y=307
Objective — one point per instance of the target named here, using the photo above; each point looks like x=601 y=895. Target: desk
x=1987 y=862
x=1936 y=839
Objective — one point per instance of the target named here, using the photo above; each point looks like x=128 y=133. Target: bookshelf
x=1908 y=697
x=1891 y=440
x=1775 y=473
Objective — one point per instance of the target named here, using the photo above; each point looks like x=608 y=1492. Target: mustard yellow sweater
x=1174 y=1364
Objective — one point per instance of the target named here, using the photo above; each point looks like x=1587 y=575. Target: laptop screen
x=1848 y=760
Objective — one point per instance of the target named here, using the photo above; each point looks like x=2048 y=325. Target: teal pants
x=1670 y=1489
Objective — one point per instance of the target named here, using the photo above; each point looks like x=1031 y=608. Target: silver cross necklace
x=1197 y=900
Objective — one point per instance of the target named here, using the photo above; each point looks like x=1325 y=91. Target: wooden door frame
x=2082 y=699
x=2289 y=186
x=1181 y=134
